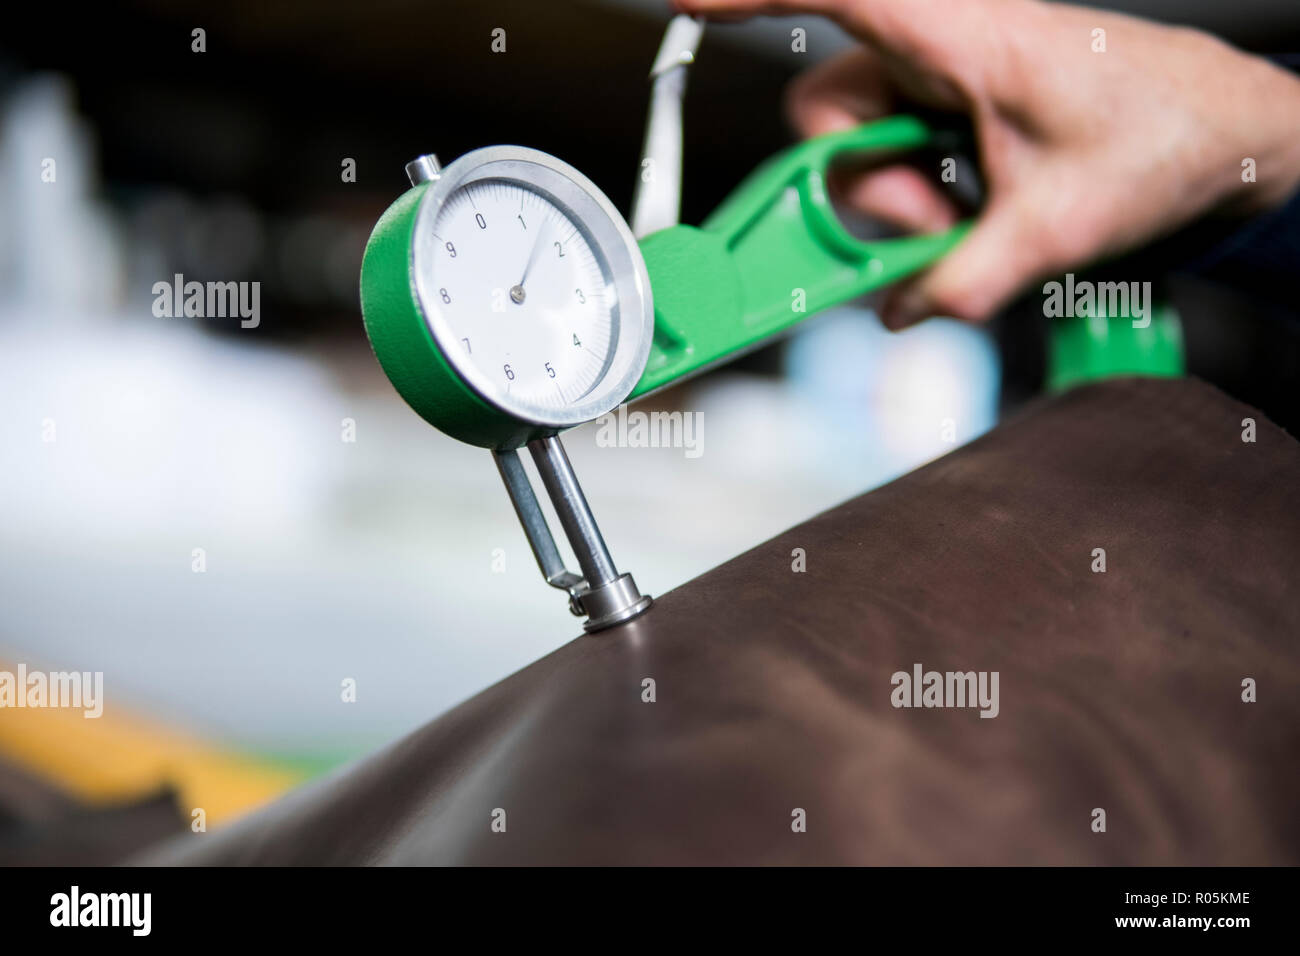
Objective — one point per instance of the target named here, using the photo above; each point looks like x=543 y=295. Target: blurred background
x=128 y=441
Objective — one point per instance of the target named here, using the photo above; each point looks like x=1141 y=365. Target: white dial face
x=521 y=292
x=532 y=285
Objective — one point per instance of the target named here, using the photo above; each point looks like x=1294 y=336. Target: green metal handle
x=773 y=254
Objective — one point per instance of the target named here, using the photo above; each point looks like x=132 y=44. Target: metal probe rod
x=571 y=508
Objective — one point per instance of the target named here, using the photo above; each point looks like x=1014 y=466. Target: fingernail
x=906 y=309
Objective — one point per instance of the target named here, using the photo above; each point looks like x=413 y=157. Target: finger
x=866 y=19
x=898 y=195
x=935 y=50
x=779 y=8
x=840 y=93
x=984 y=272
x=716 y=13
x=736 y=9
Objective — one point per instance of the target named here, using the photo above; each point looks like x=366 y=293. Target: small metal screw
x=423 y=169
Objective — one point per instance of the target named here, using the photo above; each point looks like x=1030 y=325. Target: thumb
x=985 y=271
x=886 y=23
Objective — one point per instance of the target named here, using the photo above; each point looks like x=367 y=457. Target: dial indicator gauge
x=532 y=286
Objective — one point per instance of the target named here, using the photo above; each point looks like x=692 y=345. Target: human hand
x=1085 y=153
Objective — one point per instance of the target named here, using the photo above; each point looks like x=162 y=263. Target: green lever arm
x=772 y=254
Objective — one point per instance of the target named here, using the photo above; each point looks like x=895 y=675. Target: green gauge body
x=773 y=254
x=506 y=299
x=405 y=347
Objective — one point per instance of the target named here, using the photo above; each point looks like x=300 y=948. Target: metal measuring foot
x=599 y=593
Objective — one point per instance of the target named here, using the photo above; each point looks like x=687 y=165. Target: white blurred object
x=890 y=401
x=657 y=202
x=158 y=426
x=57 y=247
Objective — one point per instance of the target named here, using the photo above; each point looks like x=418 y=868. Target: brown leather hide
x=1119 y=690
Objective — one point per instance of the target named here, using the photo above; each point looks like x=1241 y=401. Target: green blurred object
x=1088 y=348
x=773 y=254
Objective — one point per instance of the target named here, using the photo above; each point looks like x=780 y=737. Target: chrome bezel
x=612 y=243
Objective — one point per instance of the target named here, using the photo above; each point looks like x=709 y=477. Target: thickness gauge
x=507 y=300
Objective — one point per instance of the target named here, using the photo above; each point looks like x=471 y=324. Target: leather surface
x=1118 y=690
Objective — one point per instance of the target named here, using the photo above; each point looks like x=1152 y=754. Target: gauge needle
x=517 y=294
